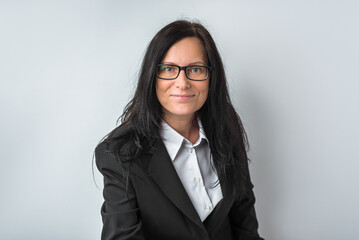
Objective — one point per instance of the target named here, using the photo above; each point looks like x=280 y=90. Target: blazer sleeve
x=120 y=214
x=243 y=217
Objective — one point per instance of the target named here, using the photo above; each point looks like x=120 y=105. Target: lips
x=182 y=96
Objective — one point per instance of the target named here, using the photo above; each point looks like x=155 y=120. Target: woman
x=176 y=168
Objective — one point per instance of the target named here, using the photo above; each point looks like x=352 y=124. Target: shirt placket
x=200 y=196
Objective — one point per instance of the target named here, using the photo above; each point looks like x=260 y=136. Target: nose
x=182 y=81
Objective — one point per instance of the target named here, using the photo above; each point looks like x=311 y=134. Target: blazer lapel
x=222 y=209
x=161 y=169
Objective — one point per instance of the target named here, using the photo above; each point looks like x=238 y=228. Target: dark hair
x=222 y=125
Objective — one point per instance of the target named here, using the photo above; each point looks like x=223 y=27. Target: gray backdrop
x=68 y=68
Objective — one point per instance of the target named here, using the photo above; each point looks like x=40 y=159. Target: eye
x=167 y=68
x=196 y=69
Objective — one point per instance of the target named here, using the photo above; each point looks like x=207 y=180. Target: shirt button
x=197 y=179
x=208 y=208
x=190 y=150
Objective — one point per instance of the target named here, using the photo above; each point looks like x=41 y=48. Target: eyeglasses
x=194 y=73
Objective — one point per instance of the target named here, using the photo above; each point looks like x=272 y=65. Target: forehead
x=187 y=50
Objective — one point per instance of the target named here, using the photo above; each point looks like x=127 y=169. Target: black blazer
x=150 y=202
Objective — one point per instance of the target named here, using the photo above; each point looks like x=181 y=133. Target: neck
x=186 y=126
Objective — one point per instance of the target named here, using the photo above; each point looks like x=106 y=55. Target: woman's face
x=181 y=98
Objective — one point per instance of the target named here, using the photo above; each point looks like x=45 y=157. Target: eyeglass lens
x=172 y=72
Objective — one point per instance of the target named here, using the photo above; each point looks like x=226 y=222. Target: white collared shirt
x=193 y=165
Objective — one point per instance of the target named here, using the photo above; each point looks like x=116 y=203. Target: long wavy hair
x=222 y=125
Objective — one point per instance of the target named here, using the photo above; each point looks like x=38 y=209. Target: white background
x=67 y=69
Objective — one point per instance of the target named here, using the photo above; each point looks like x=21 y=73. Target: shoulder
x=125 y=145
x=116 y=135
x=108 y=151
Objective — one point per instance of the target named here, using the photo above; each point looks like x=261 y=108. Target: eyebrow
x=190 y=64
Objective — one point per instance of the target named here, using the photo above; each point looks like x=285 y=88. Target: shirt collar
x=202 y=134
x=173 y=140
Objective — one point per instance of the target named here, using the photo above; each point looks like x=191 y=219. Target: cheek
x=204 y=92
x=161 y=88
x=158 y=94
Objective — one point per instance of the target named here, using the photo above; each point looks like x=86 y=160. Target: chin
x=181 y=113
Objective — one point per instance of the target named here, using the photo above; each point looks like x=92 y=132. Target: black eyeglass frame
x=185 y=72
